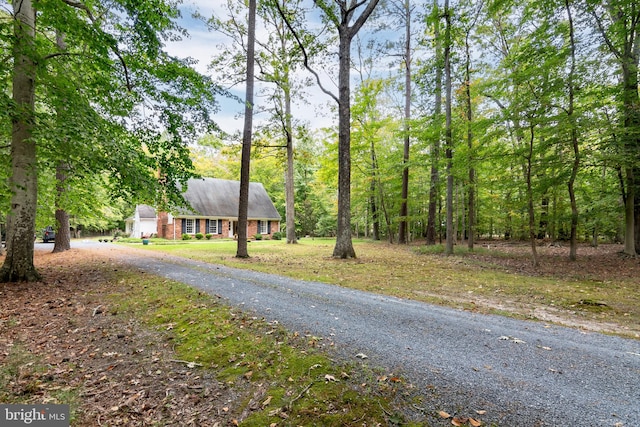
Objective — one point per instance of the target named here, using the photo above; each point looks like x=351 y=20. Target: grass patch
x=279 y=375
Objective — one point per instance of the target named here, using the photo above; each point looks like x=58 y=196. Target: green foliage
x=208 y=236
x=258 y=236
x=101 y=67
x=199 y=236
x=278 y=235
x=186 y=237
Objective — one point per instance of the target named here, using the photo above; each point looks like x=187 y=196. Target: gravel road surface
x=521 y=373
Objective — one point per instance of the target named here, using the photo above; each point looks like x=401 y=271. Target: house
x=143 y=223
x=214 y=211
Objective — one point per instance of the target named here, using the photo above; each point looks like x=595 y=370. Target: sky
x=201 y=45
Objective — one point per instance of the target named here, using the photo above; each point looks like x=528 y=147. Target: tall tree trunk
x=530 y=206
x=23 y=182
x=289 y=184
x=448 y=132
x=631 y=143
x=243 y=205
x=472 y=171
x=344 y=245
x=435 y=155
x=404 y=210
x=573 y=250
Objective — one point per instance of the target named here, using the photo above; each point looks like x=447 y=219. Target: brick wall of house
x=166 y=230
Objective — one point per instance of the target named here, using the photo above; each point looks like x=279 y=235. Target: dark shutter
x=268 y=227
x=206 y=226
x=184 y=226
x=219 y=226
x=259 y=227
x=197 y=225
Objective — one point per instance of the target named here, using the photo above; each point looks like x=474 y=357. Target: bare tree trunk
x=435 y=155
x=573 y=249
x=23 y=182
x=448 y=136
x=472 y=171
x=404 y=210
x=344 y=245
x=289 y=184
x=243 y=206
x=531 y=210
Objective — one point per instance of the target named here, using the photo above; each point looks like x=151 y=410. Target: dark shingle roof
x=219 y=198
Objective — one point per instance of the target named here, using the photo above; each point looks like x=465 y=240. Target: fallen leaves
x=460 y=421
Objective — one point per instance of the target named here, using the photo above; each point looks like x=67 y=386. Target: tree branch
x=114 y=47
x=304 y=54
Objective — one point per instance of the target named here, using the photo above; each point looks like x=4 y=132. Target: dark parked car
x=48 y=235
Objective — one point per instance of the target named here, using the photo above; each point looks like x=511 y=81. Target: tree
x=117 y=68
x=618 y=22
x=277 y=57
x=570 y=111
x=341 y=14
x=469 y=131
x=448 y=131
x=243 y=205
x=23 y=182
x=437 y=118
x=403 y=10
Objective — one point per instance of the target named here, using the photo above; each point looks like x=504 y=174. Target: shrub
x=208 y=236
x=186 y=237
x=278 y=235
x=199 y=236
x=258 y=237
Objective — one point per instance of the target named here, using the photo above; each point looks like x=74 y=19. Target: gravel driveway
x=521 y=373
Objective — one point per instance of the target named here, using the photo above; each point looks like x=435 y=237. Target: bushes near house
x=258 y=237
x=186 y=237
x=199 y=236
x=278 y=235
x=208 y=236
